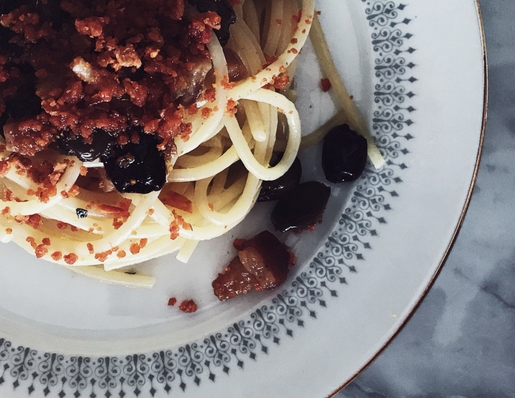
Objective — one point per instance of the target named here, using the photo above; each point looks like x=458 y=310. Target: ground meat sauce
x=89 y=77
x=188 y=306
x=224 y=9
x=262 y=263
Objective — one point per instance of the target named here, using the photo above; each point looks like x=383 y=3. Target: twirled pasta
x=201 y=199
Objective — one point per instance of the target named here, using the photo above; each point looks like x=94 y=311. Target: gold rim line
x=460 y=219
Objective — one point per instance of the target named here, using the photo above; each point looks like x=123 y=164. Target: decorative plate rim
x=461 y=219
x=207 y=358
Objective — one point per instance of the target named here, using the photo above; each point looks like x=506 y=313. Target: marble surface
x=461 y=341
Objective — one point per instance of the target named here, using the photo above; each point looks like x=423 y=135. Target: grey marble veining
x=461 y=341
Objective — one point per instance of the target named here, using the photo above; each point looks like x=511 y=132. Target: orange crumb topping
x=40 y=251
x=135 y=248
x=230 y=109
x=56 y=256
x=181 y=202
x=70 y=258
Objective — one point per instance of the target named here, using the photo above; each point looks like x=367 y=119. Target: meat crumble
x=88 y=77
x=262 y=263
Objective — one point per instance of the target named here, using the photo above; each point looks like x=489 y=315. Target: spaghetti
x=50 y=205
x=216 y=142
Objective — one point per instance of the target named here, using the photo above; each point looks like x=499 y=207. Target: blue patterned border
x=30 y=372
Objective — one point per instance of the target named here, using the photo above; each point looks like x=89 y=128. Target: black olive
x=25 y=104
x=81 y=213
x=224 y=10
x=7 y=6
x=11 y=51
x=5 y=36
x=52 y=11
x=136 y=167
x=134 y=74
x=48 y=8
x=74 y=145
x=274 y=190
x=301 y=208
x=344 y=154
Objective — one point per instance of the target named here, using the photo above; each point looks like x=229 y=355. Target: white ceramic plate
x=416 y=69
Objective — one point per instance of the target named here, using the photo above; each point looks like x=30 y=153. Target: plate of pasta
x=226 y=197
